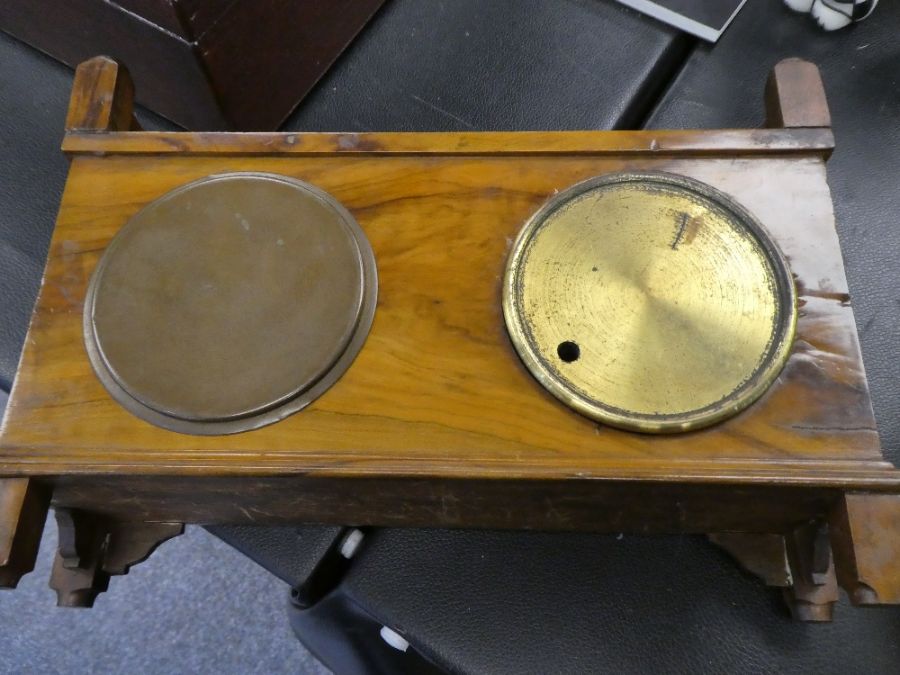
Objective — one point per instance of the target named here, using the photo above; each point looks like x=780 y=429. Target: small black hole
x=568 y=351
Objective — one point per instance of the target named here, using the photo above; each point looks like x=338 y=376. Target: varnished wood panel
x=437 y=389
x=593 y=506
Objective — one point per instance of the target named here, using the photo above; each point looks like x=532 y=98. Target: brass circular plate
x=650 y=302
x=230 y=303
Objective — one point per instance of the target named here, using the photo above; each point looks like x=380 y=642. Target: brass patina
x=650 y=302
x=230 y=303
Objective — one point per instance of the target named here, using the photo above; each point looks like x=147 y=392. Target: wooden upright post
x=795 y=96
x=102 y=97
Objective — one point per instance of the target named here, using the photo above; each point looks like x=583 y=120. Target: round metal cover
x=230 y=303
x=650 y=302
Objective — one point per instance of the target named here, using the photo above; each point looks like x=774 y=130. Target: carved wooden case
x=437 y=422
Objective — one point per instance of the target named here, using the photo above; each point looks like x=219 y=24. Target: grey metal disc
x=230 y=303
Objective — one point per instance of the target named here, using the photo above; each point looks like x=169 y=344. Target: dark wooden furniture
x=205 y=64
x=437 y=422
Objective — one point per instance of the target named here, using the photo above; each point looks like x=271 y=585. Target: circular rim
x=759 y=381
x=275 y=410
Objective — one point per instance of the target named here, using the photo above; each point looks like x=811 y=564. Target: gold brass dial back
x=650 y=302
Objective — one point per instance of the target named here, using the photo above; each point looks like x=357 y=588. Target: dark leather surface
x=346 y=635
x=33 y=97
x=275 y=547
x=506 y=602
x=440 y=65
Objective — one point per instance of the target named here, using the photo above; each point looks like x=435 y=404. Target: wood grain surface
x=437 y=388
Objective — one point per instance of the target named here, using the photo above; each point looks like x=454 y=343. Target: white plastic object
x=351 y=543
x=394 y=639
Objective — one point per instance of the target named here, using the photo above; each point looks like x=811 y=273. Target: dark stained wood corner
x=763 y=555
x=204 y=64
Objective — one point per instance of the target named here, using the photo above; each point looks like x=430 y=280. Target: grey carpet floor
x=195 y=606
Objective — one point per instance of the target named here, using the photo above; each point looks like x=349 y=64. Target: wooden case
x=438 y=423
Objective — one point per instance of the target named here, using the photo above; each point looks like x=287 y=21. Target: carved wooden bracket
x=858 y=548
x=799 y=562
x=92 y=549
x=814 y=590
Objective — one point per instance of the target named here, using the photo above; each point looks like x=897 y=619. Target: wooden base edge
x=799 y=562
x=865 y=537
x=23 y=511
x=857 y=547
